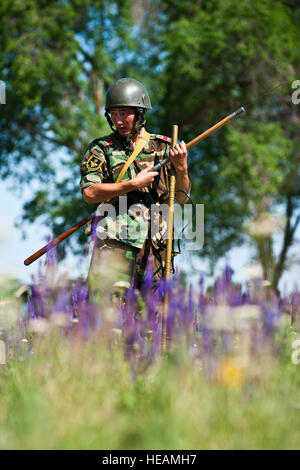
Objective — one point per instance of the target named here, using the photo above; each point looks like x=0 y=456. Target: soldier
x=123 y=239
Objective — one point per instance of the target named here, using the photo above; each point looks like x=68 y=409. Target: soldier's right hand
x=144 y=178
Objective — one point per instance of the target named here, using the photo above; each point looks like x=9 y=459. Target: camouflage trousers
x=116 y=267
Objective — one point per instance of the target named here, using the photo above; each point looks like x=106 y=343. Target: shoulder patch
x=162 y=137
x=94 y=162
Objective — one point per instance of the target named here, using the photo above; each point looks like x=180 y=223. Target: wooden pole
x=214 y=128
x=168 y=261
x=56 y=241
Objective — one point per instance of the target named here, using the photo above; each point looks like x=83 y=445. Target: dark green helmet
x=127 y=92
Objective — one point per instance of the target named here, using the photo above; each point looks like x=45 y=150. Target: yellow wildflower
x=231 y=374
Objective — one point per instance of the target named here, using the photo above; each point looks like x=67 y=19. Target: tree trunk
x=266 y=256
x=289 y=232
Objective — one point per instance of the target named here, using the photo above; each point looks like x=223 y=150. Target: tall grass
x=81 y=377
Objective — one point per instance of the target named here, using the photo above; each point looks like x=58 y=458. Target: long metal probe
x=204 y=134
x=157 y=167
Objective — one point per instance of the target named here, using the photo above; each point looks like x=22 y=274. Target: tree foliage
x=218 y=56
x=59 y=57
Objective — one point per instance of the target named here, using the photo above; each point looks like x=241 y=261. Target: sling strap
x=143 y=140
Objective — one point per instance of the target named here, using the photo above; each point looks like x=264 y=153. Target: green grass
x=71 y=394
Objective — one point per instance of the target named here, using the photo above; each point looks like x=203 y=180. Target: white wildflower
x=58 y=319
x=264 y=225
x=9 y=311
x=220 y=318
x=248 y=312
x=39 y=325
x=117 y=331
x=245 y=315
x=253 y=271
x=226 y=318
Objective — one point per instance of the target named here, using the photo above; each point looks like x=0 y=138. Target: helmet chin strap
x=110 y=122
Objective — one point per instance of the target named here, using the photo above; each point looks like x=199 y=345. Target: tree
x=59 y=57
x=218 y=56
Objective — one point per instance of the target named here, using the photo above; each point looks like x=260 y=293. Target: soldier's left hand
x=178 y=156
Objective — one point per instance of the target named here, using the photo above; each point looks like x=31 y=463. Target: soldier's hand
x=178 y=157
x=144 y=178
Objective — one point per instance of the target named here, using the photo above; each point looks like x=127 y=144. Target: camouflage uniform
x=129 y=233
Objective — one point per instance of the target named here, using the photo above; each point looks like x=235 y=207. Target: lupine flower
x=212 y=325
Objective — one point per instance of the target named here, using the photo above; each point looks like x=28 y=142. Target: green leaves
x=258 y=159
x=59 y=59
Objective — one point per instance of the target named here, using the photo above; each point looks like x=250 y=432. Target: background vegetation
x=200 y=61
x=75 y=375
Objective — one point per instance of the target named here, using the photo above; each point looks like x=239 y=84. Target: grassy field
x=221 y=385
x=80 y=395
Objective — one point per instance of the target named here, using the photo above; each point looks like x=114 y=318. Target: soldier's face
x=123 y=119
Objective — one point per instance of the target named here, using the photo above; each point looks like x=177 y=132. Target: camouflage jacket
x=130 y=223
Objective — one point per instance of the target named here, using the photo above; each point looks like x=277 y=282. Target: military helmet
x=127 y=92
